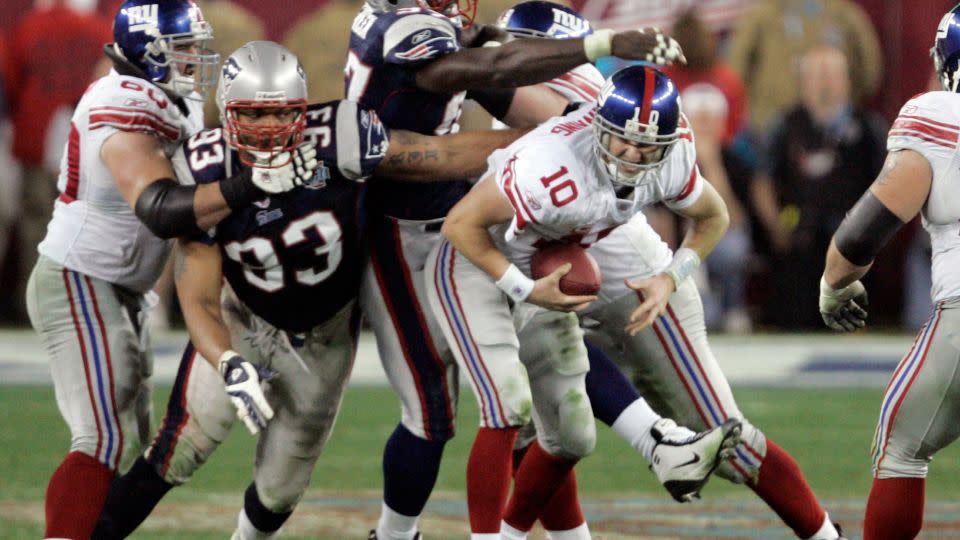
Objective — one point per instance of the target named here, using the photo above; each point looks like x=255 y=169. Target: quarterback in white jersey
x=918 y=416
x=584 y=178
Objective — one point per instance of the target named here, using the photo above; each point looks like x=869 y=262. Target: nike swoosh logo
x=695 y=459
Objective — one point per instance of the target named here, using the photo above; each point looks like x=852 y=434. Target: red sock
x=562 y=511
x=539 y=477
x=75 y=497
x=488 y=477
x=894 y=509
x=782 y=486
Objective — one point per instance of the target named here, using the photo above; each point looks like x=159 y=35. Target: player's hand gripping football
x=843 y=310
x=243 y=381
x=655 y=292
x=298 y=168
x=547 y=294
x=649 y=44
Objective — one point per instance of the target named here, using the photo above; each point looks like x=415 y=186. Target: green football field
x=827 y=431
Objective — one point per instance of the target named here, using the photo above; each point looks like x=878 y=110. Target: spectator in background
x=327 y=29
x=55 y=52
x=822 y=155
x=705 y=68
x=9 y=169
x=725 y=303
x=772 y=36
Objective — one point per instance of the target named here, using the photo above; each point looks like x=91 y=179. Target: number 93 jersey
x=296 y=258
x=557 y=187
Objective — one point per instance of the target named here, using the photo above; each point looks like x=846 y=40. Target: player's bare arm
x=414 y=157
x=710 y=220
x=466 y=227
x=198 y=277
x=531 y=61
x=895 y=197
x=137 y=160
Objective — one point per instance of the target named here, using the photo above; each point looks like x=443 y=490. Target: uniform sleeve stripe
x=585 y=89
x=691 y=183
x=951 y=127
x=348 y=141
x=513 y=195
x=923 y=137
x=133 y=122
x=130 y=110
x=903 y=124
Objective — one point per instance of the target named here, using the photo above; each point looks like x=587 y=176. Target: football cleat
x=373 y=535
x=684 y=463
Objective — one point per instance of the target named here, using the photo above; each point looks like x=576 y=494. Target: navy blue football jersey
x=296 y=258
x=386 y=50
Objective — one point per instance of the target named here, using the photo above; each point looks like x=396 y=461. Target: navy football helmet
x=946 y=50
x=166 y=39
x=642 y=106
x=540 y=19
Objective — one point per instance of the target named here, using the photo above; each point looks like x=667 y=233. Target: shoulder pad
x=418 y=36
x=131 y=104
x=537 y=180
x=929 y=121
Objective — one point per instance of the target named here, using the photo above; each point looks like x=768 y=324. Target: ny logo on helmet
x=568 y=21
x=142 y=18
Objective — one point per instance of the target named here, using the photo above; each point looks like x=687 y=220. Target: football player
x=89 y=289
x=411 y=62
x=583 y=178
x=919 y=411
x=270 y=292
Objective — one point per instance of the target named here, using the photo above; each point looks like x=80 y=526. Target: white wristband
x=224 y=358
x=684 y=262
x=598 y=44
x=516 y=285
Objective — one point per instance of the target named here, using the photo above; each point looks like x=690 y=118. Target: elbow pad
x=166 y=208
x=496 y=101
x=867 y=227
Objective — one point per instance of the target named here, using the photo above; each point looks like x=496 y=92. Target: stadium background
x=816 y=394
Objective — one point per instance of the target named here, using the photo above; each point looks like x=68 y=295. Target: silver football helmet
x=259 y=79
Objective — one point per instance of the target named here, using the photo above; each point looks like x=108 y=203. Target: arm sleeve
x=186 y=176
x=361 y=141
x=419 y=37
x=681 y=180
x=579 y=85
x=922 y=127
x=128 y=105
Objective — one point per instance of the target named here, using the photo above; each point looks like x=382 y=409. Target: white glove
x=299 y=169
x=243 y=381
x=843 y=309
x=667 y=51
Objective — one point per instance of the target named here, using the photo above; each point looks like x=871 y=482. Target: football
x=583 y=278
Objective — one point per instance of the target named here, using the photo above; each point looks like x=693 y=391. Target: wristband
x=516 y=285
x=598 y=44
x=224 y=358
x=684 y=262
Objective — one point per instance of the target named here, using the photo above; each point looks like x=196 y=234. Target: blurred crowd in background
x=789 y=101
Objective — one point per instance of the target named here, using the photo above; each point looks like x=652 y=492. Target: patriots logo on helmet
x=231 y=69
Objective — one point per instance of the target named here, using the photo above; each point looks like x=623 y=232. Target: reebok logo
x=142 y=18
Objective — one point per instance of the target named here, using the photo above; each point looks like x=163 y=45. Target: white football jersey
x=94 y=231
x=580 y=85
x=559 y=191
x=930 y=124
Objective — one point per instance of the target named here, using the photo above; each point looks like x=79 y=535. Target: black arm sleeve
x=496 y=101
x=239 y=190
x=868 y=226
x=166 y=208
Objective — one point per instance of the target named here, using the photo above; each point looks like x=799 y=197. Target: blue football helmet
x=166 y=39
x=946 y=50
x=540 y=19
x=641 y=105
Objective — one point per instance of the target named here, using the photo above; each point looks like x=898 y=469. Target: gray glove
x=843 y=310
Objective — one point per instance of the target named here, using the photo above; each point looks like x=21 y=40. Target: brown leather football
x=584 y=277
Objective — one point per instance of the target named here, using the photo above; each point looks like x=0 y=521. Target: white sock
x=485 y=536
x=509 y=533
x=827 y=531
x=634 y=424
x=395 y=526
x=246 y=530
x=577 y=533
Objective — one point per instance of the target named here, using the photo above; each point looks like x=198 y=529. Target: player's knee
x=895 y=463
x=176 y=460
x=577 y=430
x=88 y=445
x=281 y=495
x=515 y=398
